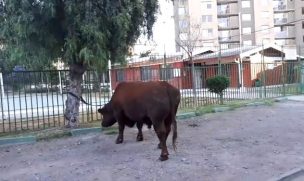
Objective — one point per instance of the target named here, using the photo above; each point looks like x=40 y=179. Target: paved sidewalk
x=296 y=174
x=296 y=98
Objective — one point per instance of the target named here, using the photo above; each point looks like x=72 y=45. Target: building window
x=146 y=73
x=183 y=36
x=176 y=72
x=181 y=11
x=246 y=17
x=166 y=73
x=182 y=2
x=247 y=30
x=183 y=24
x=226 y=70
x=120 y=75
x=302 y=24
x=207 y=18
x=207 y=32
x=245 y=4
x=206 y=5
x=302 y=10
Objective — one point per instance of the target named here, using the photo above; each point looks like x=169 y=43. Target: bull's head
x=108 y=116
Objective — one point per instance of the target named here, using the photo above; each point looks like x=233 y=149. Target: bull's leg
x=168 y=129
x=140 y=136
x=121 y=127
x=161 y=133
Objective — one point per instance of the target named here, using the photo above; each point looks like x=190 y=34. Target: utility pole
x=219 y=60
x=165 y=63
x=264 y=71
x=283 y=75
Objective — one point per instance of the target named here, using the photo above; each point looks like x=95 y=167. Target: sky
x=163 y=32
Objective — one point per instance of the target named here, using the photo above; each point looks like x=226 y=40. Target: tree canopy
x=86 y=32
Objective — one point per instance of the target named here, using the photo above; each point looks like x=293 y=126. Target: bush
x=218 y=84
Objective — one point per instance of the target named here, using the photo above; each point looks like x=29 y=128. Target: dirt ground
x=251 y=143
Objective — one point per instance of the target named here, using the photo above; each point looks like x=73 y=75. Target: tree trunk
x=72 y=103
x=221 y=98
x=193 y=81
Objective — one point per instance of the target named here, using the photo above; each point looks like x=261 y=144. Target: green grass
x=53 y=134
x=204 y=110
x=231 y=105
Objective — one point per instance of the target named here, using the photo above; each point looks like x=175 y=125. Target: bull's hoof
x=140 y=138
x=163 y=157
x=119 y=140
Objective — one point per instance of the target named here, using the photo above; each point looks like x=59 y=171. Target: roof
x=225 y=53
x=239 y=52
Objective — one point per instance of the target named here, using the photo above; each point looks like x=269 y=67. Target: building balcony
x=282 y=22
x=228 y=40
x=224 y=28
x=285 y=38
x=282 y=9
x=221 y=2
x=225 y=13
x=284 y=35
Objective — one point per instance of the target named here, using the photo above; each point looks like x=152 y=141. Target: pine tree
x=81 y=33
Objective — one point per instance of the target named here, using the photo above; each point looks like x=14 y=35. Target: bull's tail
x=175 y=105
x=174 y=136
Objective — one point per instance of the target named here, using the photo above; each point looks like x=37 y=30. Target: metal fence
x=247 y=81
x=34 y=100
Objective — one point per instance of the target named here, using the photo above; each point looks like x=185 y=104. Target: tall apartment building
x=245 y=22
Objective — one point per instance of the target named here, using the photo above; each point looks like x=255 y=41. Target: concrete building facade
x=231 y=23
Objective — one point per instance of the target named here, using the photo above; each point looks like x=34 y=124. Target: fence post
x=2 y=95
x=165 y=67
x=301 y=64
x=60 y=82
x=110 y=78
x=1 y=85
x=300 y=71
x=283 y=75
x=264 y=71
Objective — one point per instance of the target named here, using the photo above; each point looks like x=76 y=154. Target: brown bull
x=152 y=103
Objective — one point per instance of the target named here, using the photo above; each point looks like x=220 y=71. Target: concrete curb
x=18 y=140
x=221 y=109
x=280 y=99
x=34 y=138
x=81 y=131
x=297 y=173
x=186 y=115
x=256 y=104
